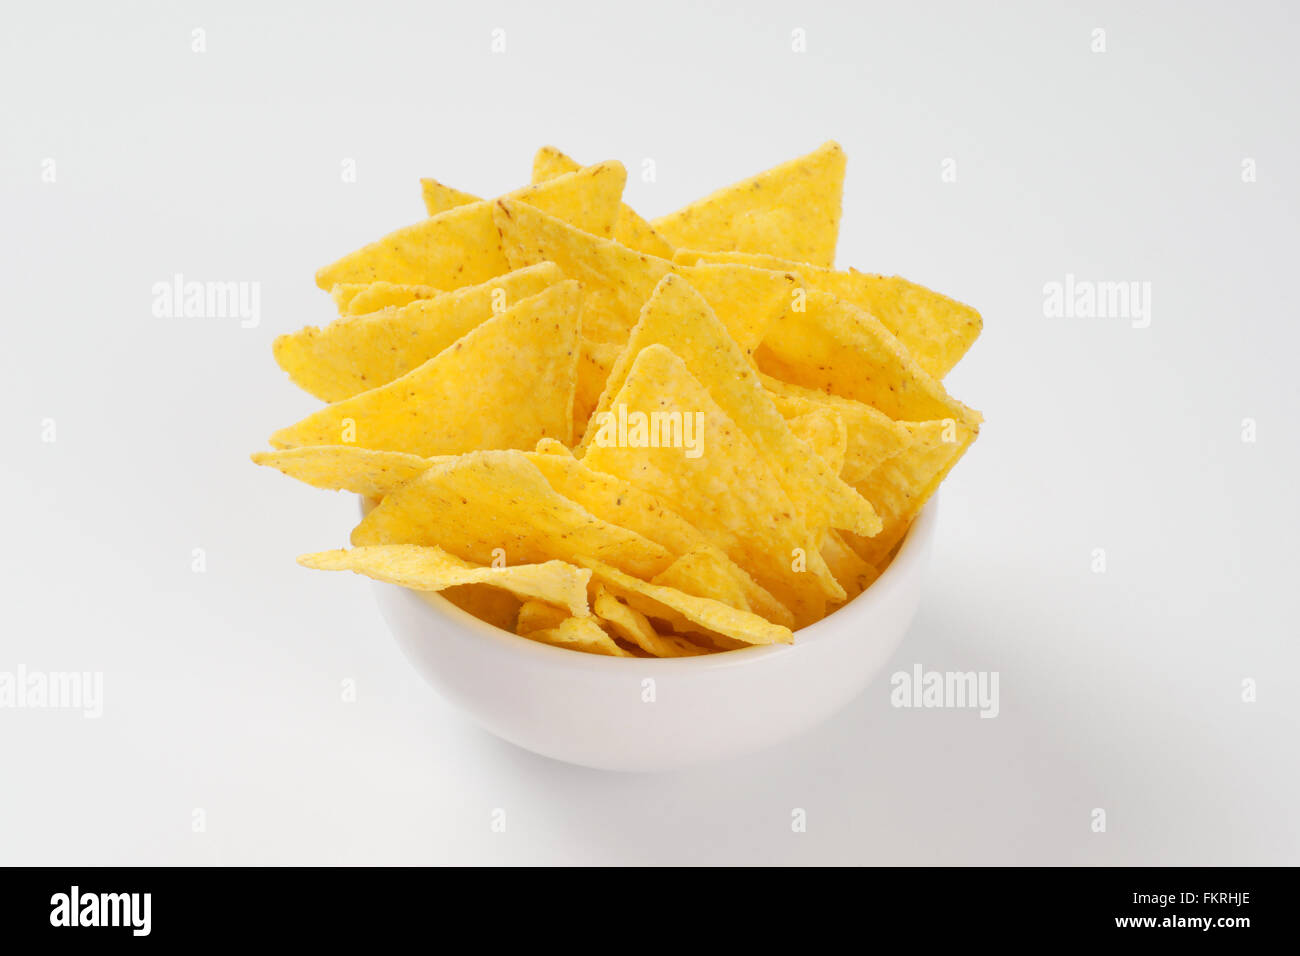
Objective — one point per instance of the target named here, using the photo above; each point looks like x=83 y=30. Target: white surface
x=222 y=690
x=642 y=716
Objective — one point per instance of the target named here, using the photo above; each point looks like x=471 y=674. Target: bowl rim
x=907 y=561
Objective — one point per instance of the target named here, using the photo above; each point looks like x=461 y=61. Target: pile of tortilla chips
x=629 y=437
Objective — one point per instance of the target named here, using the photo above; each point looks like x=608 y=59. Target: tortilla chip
x=357 y=353
x=937 y=330
x=489 y=604
x=356 y=298
x=728 y=492
x=678 y=317
x=687 y=611
x=594 y=362
x=705 y=573
x=579 y=634
x=362 y=471
x=523 y=360
x=633 y=626
x=439 y=198
x=900 y=487
x=853 y=573
x=833 y=346
x=631 y=230
x=492 y=504
x=617 y=281
x=871 y=436
x=423 y=568
x=791 y=210
x=537 y=615
x=462 y=246
x=823 y=430
x=746 y=300
x=612 y=499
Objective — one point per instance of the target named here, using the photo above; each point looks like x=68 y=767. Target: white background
x=1120 y=691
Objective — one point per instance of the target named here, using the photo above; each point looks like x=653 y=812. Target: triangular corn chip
x=487 y=603
x=748 y=301
x=579 y=634
x=376 y=474
x=853 y=573
x=728 y=491
x=633 y=626
x=359 y=298
x=678 y=317
x=524 y=359
x=439 y=198
x=493 y=505
x=432 y=569
x=617 y=281
x=537 y=615
x=901 y=485
x=462 y=246
x=871 y=436
x=357 y=353
x=631 y=230
x=833 y=346
x=937 y=330
x=706 y=573
x=687 y=612
x=594 y=364
x=612 y=499
x=792 y=210
x=823 y=430
x=361 y=471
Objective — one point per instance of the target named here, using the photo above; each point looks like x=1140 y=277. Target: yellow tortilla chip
x=612 y=499
x=358 y=353
x=631 y=230
x=617 y=281
x=678 y=317
x=357 y=298
x=705 y=574
x=633 y=626
x=746 y=300
x=792 y=210
x=594 y=363
x=523 y=360
x=579 y=634
x=462 y=246
x=728 y=491
x=823 y=430
x=686 y=610
x=901 y=485
x=833 y=346
x=493 y=505
x=538 y=615
x=489 y=604
x=362 y=471
x=432 y=569
x=871 y=436
x=439 y=198
x=937 y=330
x=853 y=573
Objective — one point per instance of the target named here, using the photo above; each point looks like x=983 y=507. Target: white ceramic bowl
x=651 y=714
